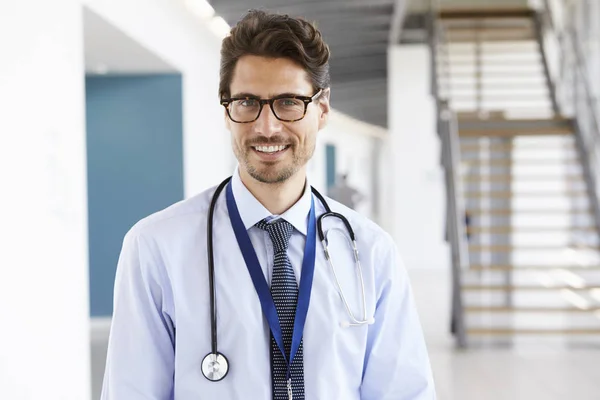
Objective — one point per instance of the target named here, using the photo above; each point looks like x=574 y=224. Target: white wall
x=44 y=343
x=171 y=32
x=418 y=194
x=44 y=337
x=354 y=151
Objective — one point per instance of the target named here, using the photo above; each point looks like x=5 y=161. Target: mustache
x=273 y=140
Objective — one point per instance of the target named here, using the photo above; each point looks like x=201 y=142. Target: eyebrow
x=253 y=96
x=244 y=95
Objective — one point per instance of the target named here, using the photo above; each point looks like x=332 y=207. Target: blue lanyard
x=260 y=283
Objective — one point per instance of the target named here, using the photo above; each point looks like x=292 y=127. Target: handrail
x=459 y=209
x=580 y=62
x=455 y=218
x=587 y=150
x=570 y=43
x=447 y=127
x=581 y=65
x=539 y=32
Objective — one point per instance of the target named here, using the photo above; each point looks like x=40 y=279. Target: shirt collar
x=252 y=211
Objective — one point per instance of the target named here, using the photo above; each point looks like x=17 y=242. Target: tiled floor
x=530 y=371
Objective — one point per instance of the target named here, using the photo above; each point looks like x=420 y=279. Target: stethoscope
x=215 y=365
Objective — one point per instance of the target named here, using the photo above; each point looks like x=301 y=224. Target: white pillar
x=418 y=200
x=44 y=317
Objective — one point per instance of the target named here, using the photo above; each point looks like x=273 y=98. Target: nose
x=267 y=124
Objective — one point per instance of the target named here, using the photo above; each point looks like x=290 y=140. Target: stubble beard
x=273 y=173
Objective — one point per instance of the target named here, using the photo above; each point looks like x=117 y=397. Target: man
x=344 y=193
x=275 y=90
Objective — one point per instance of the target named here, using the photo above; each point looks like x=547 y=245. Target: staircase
x=533 y=244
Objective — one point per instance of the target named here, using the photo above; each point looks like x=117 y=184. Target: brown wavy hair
x=265 y=34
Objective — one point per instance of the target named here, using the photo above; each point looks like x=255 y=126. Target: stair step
x=470 y=92
x=499 y=117
x=499 y=194
x=512 y=268
x=487 y=21
x=525 y=142
x=492 y=48
x=500 y=211
x=525 y=331
x=506 y=178
x=517 y=73
x=498 y=86
x=543 y=130
x=484 y=96
x=476 y=58
x=516 y=229
x=469 y=27
x=478 y=147
x=497 y=309
x=521 y=156
x=462 y=29
x=512 y=162
x=496 y=12
x=539 y=108
x=479 y=59
x=506 y=288
x=517 y=36
x=513 y=248
x=517 y=49
x=445 y=65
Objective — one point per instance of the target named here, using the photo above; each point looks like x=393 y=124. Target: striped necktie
x=284 y=290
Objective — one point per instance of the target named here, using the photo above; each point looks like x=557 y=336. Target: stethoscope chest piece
x=215 y=367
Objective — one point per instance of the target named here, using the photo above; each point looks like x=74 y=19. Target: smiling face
x=270 y=150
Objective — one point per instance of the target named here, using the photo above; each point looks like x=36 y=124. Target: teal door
x=135 y=165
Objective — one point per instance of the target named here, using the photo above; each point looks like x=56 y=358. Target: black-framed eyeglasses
x=286 y=108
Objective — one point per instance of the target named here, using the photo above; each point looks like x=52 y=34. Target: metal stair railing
x=574 y=80
x=447 y=128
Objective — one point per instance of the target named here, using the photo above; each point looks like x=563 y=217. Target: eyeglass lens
x=287 y=109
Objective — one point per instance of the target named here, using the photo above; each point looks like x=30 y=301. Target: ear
x=324 y=108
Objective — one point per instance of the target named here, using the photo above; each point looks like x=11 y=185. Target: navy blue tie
x=284 y=290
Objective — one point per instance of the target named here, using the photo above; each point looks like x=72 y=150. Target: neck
x=276 y=197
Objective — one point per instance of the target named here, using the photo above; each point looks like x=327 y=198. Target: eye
x=291 y=102
x=248 y=103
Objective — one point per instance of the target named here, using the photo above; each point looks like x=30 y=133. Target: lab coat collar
x=252 y=211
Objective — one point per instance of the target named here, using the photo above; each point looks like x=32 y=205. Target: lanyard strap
x=260 y=283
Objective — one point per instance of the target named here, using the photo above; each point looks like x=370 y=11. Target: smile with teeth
x=270 y=149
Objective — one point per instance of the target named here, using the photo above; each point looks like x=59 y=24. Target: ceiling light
x=219 y=26
x=101 y=69
x=200 y=8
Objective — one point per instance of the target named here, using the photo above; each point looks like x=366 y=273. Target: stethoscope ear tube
x=337 y=215
x=329 y=213
x=321 y=199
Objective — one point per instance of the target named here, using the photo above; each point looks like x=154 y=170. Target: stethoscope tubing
x=211 y=269
x=211 y=266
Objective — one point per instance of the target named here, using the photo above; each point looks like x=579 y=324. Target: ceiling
x=358 y=34
x=109 y=50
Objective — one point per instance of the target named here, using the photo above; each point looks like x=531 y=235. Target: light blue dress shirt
x=161 y=321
